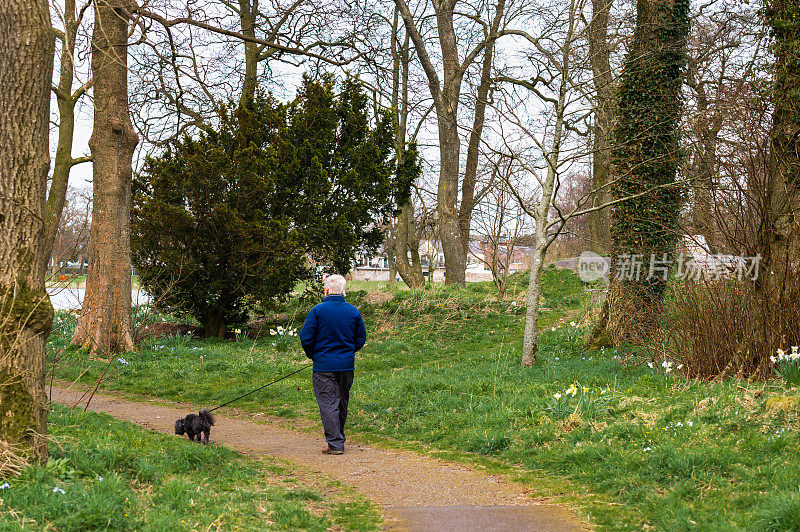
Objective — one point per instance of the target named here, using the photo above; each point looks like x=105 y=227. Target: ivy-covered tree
x=240 y=211
x=645 y=157
x=779 y=235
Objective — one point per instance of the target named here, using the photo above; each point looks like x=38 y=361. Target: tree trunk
x=600 y=58
x=411 y=272
x=455 y=258
x=405 y=237
x=646 y=156
x=247 y=18
x=446 y=94
x=105 y=322
x=26 y=315
x=706 y=162
x=63 y=162
x=473 y=147
x=703 y=208
x=214 y=325
x=779 y=239
x=530 y=345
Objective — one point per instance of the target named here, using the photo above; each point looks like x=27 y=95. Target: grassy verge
x=634 y=446
x=110 y=475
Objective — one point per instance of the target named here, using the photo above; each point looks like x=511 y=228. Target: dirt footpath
x=416 y=492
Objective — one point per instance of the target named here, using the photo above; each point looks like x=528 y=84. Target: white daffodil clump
x=784 y=356
x=283 y=337
x=666 y=366
x=283 y=331
x=787 y=365
x=579 y=398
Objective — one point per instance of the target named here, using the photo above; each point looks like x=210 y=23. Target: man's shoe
x=328 y=450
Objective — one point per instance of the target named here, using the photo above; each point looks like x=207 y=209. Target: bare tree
x=105 y=323
x=501 y=223
x=722 y=47
x=67 y=99
x=406 y=237
x=557 y=73
x=454 y=222
x=26 y=38
x=198 y=56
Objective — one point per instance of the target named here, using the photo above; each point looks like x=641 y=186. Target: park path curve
x=416 y=492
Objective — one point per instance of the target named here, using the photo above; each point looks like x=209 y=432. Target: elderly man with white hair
x=331 y=335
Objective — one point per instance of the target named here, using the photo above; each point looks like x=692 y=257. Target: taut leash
x=262 y=387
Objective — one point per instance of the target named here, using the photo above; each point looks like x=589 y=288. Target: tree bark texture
x=530 y=344
x=248 y=9
x=455 y=259
x=406 y=243
x=605 y=94
x=105 y=322
x=780 y=230
x=26 y=315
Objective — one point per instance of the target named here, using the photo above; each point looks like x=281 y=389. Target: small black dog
x=195 y=425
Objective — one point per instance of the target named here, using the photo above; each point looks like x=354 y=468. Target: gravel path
x=416 y=492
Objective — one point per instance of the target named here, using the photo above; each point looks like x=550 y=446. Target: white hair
x=335 y=284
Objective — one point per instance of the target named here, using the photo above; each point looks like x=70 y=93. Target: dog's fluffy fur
x=195 y=425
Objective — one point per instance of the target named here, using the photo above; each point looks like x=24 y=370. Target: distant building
x=376 y=267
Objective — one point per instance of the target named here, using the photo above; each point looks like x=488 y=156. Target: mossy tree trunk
x=26 y=315
x=105 y=322
x=779 y=238
x=646 y=155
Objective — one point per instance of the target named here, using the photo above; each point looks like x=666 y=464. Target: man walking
x=331 y=335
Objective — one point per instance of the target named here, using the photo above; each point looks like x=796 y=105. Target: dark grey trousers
x=332 y=390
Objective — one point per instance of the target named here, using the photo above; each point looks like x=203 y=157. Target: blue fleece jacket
x=332 y=333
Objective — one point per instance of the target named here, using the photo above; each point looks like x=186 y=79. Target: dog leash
x=262 y=387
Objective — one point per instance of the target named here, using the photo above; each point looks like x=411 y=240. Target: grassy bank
x=110 y=475
x=633 y=446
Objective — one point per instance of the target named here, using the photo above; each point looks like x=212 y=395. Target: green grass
x=441 y=370
x=109 y=475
